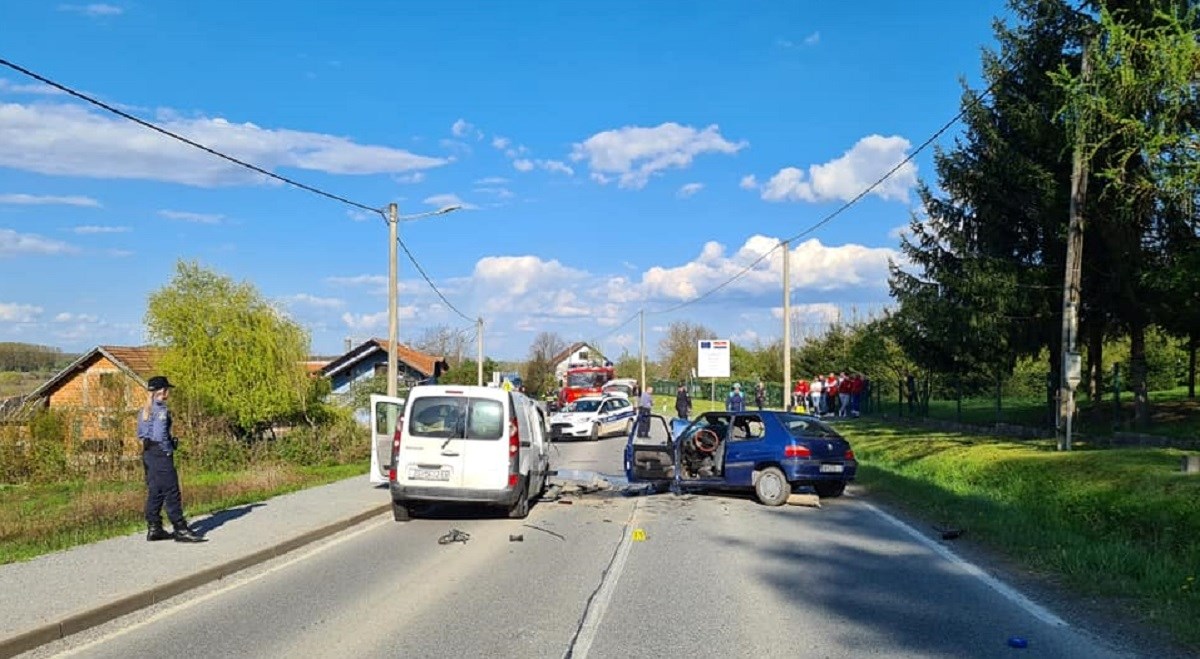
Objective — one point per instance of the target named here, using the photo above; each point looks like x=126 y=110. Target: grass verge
x=1119 y=523
x=37 y=519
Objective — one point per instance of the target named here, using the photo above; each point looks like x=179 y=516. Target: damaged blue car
x=769 y=452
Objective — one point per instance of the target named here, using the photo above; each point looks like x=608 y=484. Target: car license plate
x=831 y=469
x=429 y=474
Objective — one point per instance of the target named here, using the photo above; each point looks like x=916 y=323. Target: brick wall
x=101 y=402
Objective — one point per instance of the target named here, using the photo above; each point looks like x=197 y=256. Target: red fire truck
x=584 y=379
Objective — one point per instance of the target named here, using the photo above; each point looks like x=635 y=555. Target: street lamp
x=393 y=221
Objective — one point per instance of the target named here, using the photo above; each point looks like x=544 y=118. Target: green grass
x=1118 y=523
x=36 y=519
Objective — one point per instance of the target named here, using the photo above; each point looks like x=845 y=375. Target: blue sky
x=610 y=157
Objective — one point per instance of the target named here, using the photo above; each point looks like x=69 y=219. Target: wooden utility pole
x=393 y=286
x=1070 y=363
x=479 y=351
x=642 y=345
x=787 y=327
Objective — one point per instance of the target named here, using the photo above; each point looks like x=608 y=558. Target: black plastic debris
x=454 y=536
x=516 y=538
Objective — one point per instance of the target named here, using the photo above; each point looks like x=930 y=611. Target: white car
x=593 y=417
x=620 y=387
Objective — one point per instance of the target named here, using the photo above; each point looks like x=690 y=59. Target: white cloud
x=899 y=232
x=815 y=267
x=66 y=317
x=314 y=301
x=689 y=189
x=361 y=215
x=118 y=253
x=46 y=200
x=464 y=128
x=186 y=216
x=635 y=153
x=410 y=179
x=365 y=322
x=93 y=229
x=527 y=284
x=12 y=312
x=492 y=180
x=556 y=166
x=523 y=165
x=501 y=143
x=94 y=10
x=38 y=88
x=518 y=150
x=67 y=140
x=358 y=280
x=444 y=200
x=500 y=193
x=13 y=243
x=812 y=39
x=748 y=182
x=846 y=177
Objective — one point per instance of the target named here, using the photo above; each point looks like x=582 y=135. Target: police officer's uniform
x=162 y=481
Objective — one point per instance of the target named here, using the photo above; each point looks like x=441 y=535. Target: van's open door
x=385 y=412
x=651 y=459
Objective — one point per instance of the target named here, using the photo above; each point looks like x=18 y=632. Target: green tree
x=230 y=350
x=678 y=350
x=539 y=370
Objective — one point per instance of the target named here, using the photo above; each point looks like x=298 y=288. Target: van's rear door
x=491 y=419
x=431 y=448
x=385 y=412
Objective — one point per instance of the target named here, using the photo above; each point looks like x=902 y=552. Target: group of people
x=837 y=394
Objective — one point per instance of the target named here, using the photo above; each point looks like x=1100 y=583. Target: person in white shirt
x=816 y=393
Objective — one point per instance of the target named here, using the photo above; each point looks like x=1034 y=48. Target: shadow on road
x=216 y=520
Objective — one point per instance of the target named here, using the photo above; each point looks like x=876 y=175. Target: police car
x=593 y=417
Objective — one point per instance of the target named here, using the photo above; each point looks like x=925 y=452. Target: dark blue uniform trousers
x=162 y=486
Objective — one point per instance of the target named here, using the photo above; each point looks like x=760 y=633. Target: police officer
x=162 y=481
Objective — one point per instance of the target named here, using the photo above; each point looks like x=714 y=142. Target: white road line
x=1008 y=592
x=595 y=613
x=221 y=591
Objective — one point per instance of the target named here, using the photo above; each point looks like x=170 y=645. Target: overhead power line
x=412 y=259
x=175 y=136
x=615 y=329
x=844 y=207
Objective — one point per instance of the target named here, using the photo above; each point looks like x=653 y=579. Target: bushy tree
x=229 y=350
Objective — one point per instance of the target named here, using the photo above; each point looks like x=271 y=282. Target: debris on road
x=949 y=533
x=1017 y=642
x=516 y=538
x=538 y=528
x=810 y=500
x=454 y=536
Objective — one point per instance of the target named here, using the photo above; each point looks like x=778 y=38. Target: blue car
x=769 y=452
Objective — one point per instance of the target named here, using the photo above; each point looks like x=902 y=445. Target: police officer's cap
x=158 y=383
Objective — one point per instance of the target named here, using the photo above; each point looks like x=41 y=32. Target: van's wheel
x=401 y=512
x=595 y=432
x=520 y=507
x=829 y=489
x=772 y=488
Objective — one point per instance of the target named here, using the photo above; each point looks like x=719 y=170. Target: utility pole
x=479 y=351
x=787 y=327
x=393 y=286
x=1071 y=364
x=642 y=344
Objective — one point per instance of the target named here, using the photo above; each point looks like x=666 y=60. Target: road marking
x=221 y=591
x=1008 y=592
x=598 y=603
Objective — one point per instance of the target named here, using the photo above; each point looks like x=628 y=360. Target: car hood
x=572 y=417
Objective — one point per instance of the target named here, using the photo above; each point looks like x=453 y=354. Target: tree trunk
x=1095 y=380
x=1192 y=345
x=1137 y=374
x=1052 y=383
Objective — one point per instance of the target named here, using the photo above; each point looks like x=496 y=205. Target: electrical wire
x=175 y=136
x=615 y=329
x=844 y=207
x=412 y=259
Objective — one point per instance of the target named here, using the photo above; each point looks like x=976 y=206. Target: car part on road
x=516 y=538
x=538 y=528
x=454 y=536
x=810 y=500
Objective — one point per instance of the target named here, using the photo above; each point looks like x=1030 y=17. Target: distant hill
x=32 y=358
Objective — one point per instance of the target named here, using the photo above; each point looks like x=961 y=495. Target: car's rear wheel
x=520 y=507
x=829 y=489
x=401 y=512
x=772 y=488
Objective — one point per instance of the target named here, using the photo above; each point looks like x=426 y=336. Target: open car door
x=386 y=412
x=651 y=459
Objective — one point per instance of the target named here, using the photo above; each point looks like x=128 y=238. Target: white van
x=466 y=444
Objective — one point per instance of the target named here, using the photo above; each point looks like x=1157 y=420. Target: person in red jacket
x=831 y=393
x=800 y=395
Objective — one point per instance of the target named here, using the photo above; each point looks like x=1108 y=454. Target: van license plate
x=429 y=474
x=831 y=469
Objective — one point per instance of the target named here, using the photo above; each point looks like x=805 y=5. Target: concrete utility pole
x=479 y=351
x=642 y=343
x=787 y=327
x=1071 y=364
x=393 y=286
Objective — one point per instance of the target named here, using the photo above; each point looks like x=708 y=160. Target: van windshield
x=456 y=417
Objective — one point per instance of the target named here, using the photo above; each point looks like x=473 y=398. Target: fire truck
x=584 y=379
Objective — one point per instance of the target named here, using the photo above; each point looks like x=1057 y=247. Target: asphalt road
x=713 y=576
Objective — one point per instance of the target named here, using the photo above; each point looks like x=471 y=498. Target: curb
x=75 y=623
